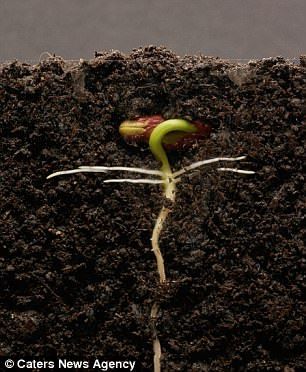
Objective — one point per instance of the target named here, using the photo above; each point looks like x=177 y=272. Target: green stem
x=155 y=143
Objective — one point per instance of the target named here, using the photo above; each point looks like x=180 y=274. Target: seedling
x=160 y=133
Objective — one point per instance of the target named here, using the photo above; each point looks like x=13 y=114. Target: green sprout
x=155 y=143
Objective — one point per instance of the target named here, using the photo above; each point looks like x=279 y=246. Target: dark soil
x=78 y=277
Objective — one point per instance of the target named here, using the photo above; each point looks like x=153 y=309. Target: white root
x=128 y=169
x=157 y=354
x=78 y=170
x=169 y=191
x=235 y=170
x=133 y=180
x=204 y=162
x=102 y=169
x=156 y=344
x=170 y=187
x=155 y=245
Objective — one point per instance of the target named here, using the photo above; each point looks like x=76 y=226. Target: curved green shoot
x=156 y=146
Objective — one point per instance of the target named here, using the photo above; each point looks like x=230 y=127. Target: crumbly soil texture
x=78 y=277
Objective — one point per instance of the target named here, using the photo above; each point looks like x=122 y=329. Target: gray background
x=76 y=28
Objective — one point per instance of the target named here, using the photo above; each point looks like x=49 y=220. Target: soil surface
x=78 y=277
